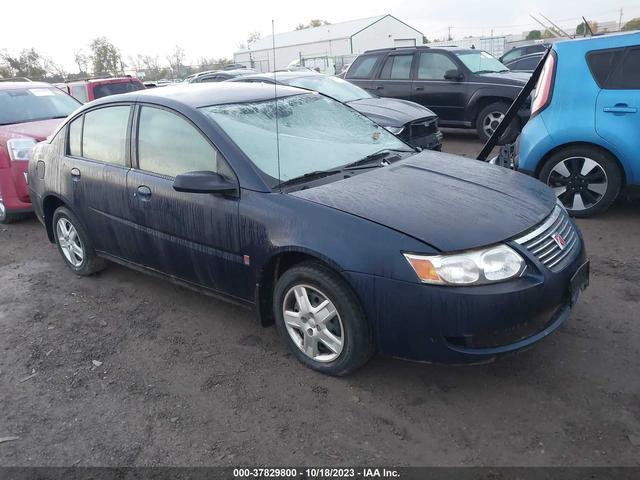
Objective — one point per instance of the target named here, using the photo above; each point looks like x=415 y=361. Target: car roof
x=105 y=80
x=197 y=95
x=280 y=76
x=23 y=85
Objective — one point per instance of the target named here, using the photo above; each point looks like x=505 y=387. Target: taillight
x=20 y=148
x=544 y=87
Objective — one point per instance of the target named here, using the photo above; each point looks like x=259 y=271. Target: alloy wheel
x=491 y=122
x=3 y=210
x=578 y=182
x=69 y=242
x=313 y=323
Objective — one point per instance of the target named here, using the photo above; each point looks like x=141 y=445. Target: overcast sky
x=214 y=29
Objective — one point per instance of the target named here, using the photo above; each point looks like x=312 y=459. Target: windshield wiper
x=309 y=176
x=374 y=156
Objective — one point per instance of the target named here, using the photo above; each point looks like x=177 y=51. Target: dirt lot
x=132 y=370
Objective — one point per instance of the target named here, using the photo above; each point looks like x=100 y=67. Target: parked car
x=582 y=139
x=93 y=88
x=413 y=123
x=466 y=88
x=527 y=63
x=222 y=75
x=524 y=50
x=29 y=112
x=323 y=222
x=190 y=78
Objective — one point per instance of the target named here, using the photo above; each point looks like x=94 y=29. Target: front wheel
x=586 y=180
x=321 y=320
x=488 y=120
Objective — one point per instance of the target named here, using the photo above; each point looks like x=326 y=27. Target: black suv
x=466 y=88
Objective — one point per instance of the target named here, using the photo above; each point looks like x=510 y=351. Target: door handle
x=620 y=109
x=75 y=174
x=419 y=89
x=143 y=192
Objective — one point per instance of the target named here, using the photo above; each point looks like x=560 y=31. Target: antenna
x=275 y=97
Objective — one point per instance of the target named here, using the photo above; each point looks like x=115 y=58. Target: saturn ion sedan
x=323 y=222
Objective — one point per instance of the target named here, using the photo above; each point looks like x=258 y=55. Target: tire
x=587 y=174
x=343 y=341
x=69 y=231
x=486 y=123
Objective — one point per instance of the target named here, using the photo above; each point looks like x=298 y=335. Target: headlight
x=475 y=267
x=395 y=130
x=20 y=148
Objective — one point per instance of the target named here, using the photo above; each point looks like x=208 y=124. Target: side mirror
x=204 y=182
x=453 y=74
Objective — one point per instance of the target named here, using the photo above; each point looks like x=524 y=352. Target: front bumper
x=468 y=324
x=423 y=133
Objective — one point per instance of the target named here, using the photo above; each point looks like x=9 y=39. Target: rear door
x=363 y=69
x=95 y=167
x=191 y=236
x=447 y=98
x=394 y=79
x=617 y=72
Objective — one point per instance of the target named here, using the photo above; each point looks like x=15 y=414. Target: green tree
x=581 y=29
x=82 y=60
x=534 y=35
x=425 y=40
x=633 y=24
x=28 y=64
x=105 y=57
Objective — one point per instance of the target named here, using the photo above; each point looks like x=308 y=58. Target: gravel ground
x=126 y=369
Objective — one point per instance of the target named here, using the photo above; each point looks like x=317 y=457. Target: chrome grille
x=542 y=244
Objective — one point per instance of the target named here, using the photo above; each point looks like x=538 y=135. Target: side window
x=104 y=136
x=75 y=137
x=511 y=55
x=79 y=92
x=362 y=66
x=169 y=145
x=397 y=67
x=603 y=64
x=433 y=66
x=627 y=75
x=525 y=64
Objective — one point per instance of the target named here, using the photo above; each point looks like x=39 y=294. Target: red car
x=87 y=90
x=29 y=112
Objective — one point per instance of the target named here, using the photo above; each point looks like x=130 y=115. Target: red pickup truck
x=29 y=112
x=87 y=90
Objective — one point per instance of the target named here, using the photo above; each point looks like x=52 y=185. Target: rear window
x=362 y=66
x=32 y=104
x=107 y=89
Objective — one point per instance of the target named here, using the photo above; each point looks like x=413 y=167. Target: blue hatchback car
x=583 y=138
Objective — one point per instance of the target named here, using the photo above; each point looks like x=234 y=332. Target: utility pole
x=449 y=35
x=620 y=21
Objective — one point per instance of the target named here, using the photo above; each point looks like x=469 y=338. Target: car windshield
x=32 y=104
x=107 y=89
x=315 y=133
x=333 y=87
x=481 y=62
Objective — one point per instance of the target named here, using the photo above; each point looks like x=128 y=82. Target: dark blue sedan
x=346 y=238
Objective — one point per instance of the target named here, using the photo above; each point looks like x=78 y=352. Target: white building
x=330 y=46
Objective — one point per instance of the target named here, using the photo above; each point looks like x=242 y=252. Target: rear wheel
x=74 y=243
x=585 y=179
x=488 y=120
x=321 y=320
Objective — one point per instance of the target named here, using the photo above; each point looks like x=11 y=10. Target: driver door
x=190 y=236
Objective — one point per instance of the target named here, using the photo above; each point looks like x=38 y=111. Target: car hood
x=446 y=201
x=39 y=130
x=390 y=112
x=509 y=78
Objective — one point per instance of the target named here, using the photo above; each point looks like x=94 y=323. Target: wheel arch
x=50 y=203
x=604 y=150
x=281 y=261
x=480 y=101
